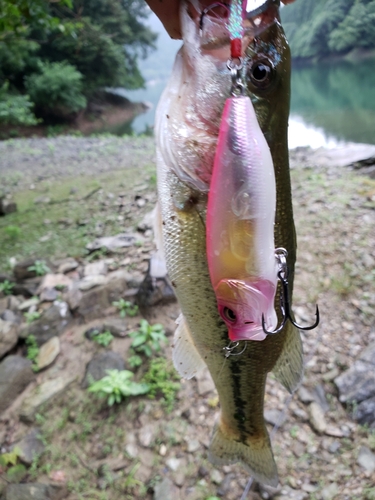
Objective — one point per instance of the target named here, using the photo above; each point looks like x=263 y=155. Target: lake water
x=331 y=103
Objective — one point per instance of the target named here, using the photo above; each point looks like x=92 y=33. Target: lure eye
x=260 y=73
x=229 y=315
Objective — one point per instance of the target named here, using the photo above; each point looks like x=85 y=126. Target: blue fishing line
x=235 y=19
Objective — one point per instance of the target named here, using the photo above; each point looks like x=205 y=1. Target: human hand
x=168 y=13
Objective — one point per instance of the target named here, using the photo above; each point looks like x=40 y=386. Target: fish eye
x=229 y=314
x=260 y=73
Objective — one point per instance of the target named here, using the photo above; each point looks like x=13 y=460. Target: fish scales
x=184 y=152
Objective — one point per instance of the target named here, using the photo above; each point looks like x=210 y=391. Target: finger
x=168 y=11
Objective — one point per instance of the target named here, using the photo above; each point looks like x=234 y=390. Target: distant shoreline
x=352 y=56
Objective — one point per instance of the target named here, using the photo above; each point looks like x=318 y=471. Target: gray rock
x=358 y=385
x=344 y=156
x=94 y=302
x=67 y=265
x=156 y=287
x=7 y=206
x=13 y=303
x=330 y=491
x=305 y=396
x=316 y=417
x=11 y=317
x=21 y=271
x=28 y=287
x=89 y=282
x=364 y=412
x=173 y=463
x=96 y=368
x=48 y=353
x=165 y=490
x=96 y=268
x=30 y=446
x=8 y=336
x=35 y=491
x=320 y=397
x=73 y=297
x=26 y=304
x=275 y=417
x=117 y=326
x=114 y=243
x=53 y=281
x=48 y=295
x=44 y=392
x=53 y=321
x=15 y=375
x=366 y=459
x=334 y=447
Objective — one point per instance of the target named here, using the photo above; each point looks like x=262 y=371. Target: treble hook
x=228 y=350
x=286 y=310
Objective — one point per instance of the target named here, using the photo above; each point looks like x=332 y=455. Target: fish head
x=242 y=304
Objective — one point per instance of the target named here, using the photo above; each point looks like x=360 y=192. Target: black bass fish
x=187 y=128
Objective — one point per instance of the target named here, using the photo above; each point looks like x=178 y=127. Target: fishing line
x=282 y=416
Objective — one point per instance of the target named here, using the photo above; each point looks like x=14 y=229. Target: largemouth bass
x=187 y=127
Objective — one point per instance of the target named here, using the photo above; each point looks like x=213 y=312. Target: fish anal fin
x=256 y=457
x=186 y=358
x=289 y=367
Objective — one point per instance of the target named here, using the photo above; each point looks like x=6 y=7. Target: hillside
x=325 y=28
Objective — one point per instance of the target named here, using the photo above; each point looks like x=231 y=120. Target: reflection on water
x=337 y=98
x=331 y=102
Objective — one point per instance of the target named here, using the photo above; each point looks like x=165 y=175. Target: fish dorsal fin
x=186 y=358
x=289 y=367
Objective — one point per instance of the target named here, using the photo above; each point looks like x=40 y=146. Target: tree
x=100 y=41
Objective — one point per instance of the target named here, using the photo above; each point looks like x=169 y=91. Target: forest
x=55 y=56
x=324 y=28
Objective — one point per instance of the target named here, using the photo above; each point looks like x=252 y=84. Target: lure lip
x=243 y=304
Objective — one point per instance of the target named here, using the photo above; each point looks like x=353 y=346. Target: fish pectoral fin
x=186 y=358
x=289 y=367
x=157 y=223
x=256 y=457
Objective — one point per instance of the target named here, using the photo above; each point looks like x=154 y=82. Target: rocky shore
x=58 y=441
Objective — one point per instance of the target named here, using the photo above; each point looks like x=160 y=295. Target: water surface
x=331 y=102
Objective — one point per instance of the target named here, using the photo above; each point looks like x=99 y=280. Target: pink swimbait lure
x=240 y=224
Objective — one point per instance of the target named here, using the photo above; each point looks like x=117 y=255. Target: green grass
x=62 y=235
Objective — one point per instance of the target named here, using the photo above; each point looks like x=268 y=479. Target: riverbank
x=73 y=190
x=105 y=113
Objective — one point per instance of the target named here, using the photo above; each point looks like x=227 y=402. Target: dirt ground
x=125 y=451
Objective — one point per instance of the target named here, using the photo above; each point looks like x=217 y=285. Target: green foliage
x=103 y=339
x=32 y=351
x=162 y=379
x=148 y=338
x=6 y=287
x=320 y=28
x=118 y=385
x=10 y=458
x=39 y=267
x=57 y=89
x=64 y=51
x=125 y=308
x=32 y=316
x=15 y=109
x=12 y=232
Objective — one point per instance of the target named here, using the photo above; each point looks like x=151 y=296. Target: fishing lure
x=241 y=210
x=243 y=264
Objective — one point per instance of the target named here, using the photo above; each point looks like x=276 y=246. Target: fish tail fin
x=255 y=455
